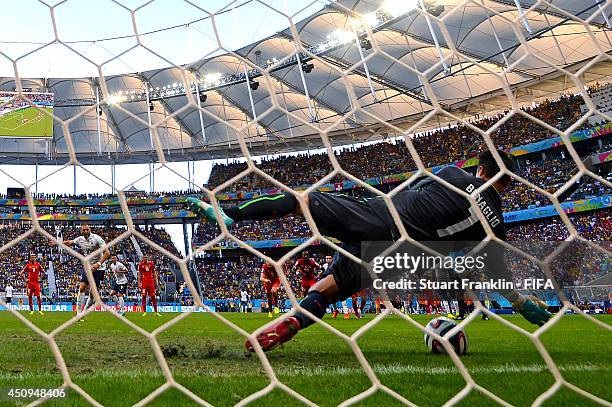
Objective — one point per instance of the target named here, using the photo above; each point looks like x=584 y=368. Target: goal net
x=427 y=83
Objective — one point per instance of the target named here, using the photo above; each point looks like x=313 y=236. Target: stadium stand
x=435 y=148
x=222 y=278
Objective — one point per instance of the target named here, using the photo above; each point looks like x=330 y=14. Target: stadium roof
x=384 y=87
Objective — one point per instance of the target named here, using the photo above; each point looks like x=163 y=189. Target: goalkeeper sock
x=264 y=207
x=316 y=303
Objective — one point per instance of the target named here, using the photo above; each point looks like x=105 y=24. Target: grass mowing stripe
x=337 y=371
x=117 y=365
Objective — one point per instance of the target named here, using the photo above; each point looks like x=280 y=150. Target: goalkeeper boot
x=144 y=314
x=276 y=335
x=270 y=314
x=206 y=211
x=157 y=314
x=41 y=313
x=276 y=310
x=533 y=310
x=31 y=312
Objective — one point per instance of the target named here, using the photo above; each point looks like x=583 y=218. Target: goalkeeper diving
x=428 y=210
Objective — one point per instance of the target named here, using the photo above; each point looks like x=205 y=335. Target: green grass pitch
x=116 y=365
x=28 y=122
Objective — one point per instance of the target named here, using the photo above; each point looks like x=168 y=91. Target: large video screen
x=21 y=119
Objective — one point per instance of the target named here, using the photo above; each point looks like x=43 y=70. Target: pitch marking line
x=341 y=371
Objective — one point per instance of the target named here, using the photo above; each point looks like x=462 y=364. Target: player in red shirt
x=147 y=278
x=307 y=267
x=33 y=270
x=271 y=284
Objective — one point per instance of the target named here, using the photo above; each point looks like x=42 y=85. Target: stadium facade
x=347 y=80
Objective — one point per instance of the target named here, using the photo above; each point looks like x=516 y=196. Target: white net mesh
x=529 y=24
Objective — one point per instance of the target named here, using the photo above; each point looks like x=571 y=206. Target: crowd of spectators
x=453 y=143
x=550 y=175
x=595 y=226
x=283 y=228
x=224 y=278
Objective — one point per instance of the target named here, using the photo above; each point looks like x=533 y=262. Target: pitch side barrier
x=578 y=206
x=130 y=307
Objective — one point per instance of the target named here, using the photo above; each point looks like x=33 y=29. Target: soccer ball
x=441 y=326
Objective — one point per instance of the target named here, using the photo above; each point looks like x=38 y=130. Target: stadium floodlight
x=341 y=37
x=307 y=67
x=366 y=44
x=396 y=8
x=391 y=9
x=371 y=19
x=212 y=79
x=114 y=99
x=338 y=38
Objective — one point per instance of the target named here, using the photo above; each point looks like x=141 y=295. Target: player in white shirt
x=9 y=294
x=120 y=285
x=244 y=301
x=88 y=243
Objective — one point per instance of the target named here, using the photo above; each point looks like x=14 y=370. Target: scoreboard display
x=27 y=115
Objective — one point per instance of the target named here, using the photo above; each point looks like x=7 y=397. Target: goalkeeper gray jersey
x=431 y=212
